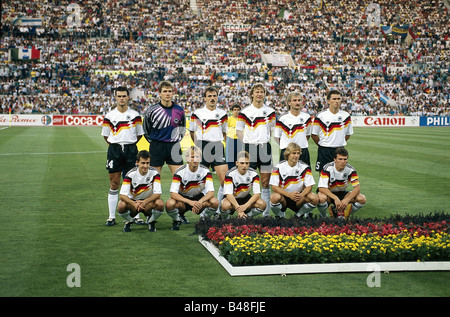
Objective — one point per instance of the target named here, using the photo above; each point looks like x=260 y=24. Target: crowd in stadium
x=137 y=43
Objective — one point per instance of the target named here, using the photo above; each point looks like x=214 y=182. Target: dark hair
x=235 y=106
x=211 y=88
x=333 y=92
x=341 y=151
x=142 y=154
x=164 y=83
x=121 y=88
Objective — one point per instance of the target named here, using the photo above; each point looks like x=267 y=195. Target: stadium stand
x=310 y=46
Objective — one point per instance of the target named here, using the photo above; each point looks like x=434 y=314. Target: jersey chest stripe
x=140 y=190
x=190 y=186
x=119 y=130
x=209 y=124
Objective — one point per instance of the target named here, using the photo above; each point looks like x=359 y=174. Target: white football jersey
x=332 y=128
x=209 y=125
x=140 y=187
x=292 y=178
x=240 y=185
x=189 y=184
x=256 y=124
x=290 y=128
x=122 y=128
x=337 y=181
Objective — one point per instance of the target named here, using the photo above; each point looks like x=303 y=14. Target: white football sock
x=356 y=206
x=126 y=215
x=307 y=207
x=155 y=215
x=113 y=196
x=265 y=195
x=276 y=209
x=323 y=208
x=174 y=214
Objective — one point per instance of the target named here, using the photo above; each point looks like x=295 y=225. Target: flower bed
x=290 y=241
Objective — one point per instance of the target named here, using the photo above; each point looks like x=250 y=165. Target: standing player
x=233 y=145
x=164 y=126
x=141 y=192
x=253 y=128
x=238 y=182
x=122 y=129
x=208 y=128
x=294 y=126
x=192 y=188
x=292 y=183
x=331 y=129
x=334 y=180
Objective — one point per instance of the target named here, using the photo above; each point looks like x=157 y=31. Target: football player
x=141 y=192
x=192 y=188
x=292 y=183
x=240 y=181
x=333 y=183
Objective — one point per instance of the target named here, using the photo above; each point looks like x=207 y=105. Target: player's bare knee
x=159 y=204
x=170 y=204
x=275 y=198
x=322 y=198
x=226 y=205
x=361 y=199
x=260 y=204
x=121 y=207
x=312 y=198
x=214 y=203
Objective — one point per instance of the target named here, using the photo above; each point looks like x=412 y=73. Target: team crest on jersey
x=128 y=118
x=297 y=172
x=248 y=179
x=148 y=179
x=217 y=116
x=198 y=176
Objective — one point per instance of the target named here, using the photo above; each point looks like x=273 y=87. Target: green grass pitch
x=54 y=185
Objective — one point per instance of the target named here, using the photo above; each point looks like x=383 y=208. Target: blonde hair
x=193 y=149
x=256 y=86
x=291 y=148
x=292 y=94
x=243 y=154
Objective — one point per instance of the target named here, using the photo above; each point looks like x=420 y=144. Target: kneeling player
x=140 y=192
x=292 y=183
x=238 y=182
x=192 y=188
x=334 y=180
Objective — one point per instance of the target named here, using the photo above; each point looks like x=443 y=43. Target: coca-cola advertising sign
x=77 y=120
